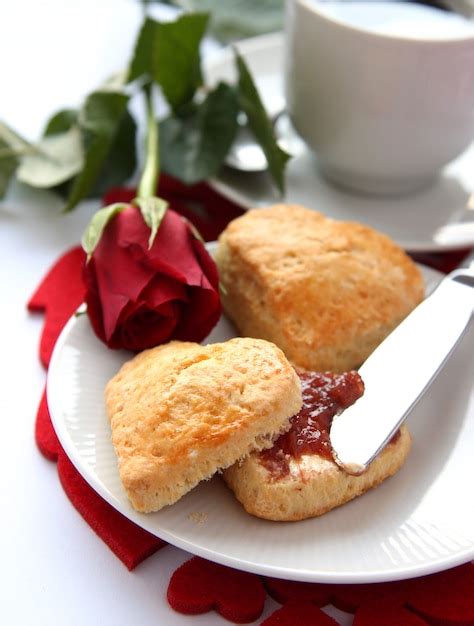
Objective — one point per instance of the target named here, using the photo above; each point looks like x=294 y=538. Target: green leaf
x=121 y=160
x=100 y=119
x=145 y=50
x=153 y=211
x=260 y=124
x=12 y=148
x=14 y=140
x=8 y=165
x=57 y=158
x=61 y=122
x=196 y=234
x=116 y=81
x=192 y=149
x=178 y=68
x=168 y=52
x=96 y=226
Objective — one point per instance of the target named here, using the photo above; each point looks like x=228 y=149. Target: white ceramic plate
x=432 y=220
x=419 y=521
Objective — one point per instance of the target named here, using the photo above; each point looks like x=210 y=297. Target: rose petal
x=146 y=327
x=173 y=250
x=162 y=289
x=153 y=319
x=92 y=299
x=200 y=316
x=207 y=263
x=119 y=194
x=122 y=269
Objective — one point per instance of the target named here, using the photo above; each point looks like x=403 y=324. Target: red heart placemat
x=438 y=600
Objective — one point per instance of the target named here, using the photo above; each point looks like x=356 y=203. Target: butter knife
x=400 y=370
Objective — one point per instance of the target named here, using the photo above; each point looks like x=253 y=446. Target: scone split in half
x=297 y=477
x=182 y=411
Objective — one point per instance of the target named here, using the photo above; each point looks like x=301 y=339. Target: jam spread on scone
x=324 y=396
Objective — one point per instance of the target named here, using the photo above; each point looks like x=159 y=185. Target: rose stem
x=149 y=179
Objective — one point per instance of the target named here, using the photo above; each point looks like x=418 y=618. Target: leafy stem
x=15 y=145
x=153 y=209
x=12 y=138
x=6 y=153
x=149 y=179
x=87 y=150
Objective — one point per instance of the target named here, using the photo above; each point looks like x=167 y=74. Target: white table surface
x=55 y=570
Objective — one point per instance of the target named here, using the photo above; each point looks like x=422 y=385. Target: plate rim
x=289 y=573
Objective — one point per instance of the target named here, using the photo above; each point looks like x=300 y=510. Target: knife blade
x=401 y=369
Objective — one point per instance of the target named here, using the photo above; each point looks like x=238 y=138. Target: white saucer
x=435 y=219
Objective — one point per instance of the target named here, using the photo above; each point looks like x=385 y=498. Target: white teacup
x=384 y=112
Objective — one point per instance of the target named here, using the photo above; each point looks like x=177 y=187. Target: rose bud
x=138 y=297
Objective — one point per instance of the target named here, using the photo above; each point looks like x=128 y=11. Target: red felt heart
x=59 y=294
x=349 y=597
x=382 y=611
x=46 y=438
x=128 y=541
x=199 y=586
x=299 y=613
x=345 y=597
x=444 y=599
x=289 y=590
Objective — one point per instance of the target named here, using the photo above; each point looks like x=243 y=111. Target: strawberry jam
x=324 y=396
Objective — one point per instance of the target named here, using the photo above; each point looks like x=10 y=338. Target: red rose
x=137 y=297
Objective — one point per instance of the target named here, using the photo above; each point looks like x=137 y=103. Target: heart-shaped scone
x=181 y=412
x=326 y=292
x=298 y=478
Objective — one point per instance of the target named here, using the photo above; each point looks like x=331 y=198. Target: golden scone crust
x=314 y=486
x=182 y=411
x=326 y=292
